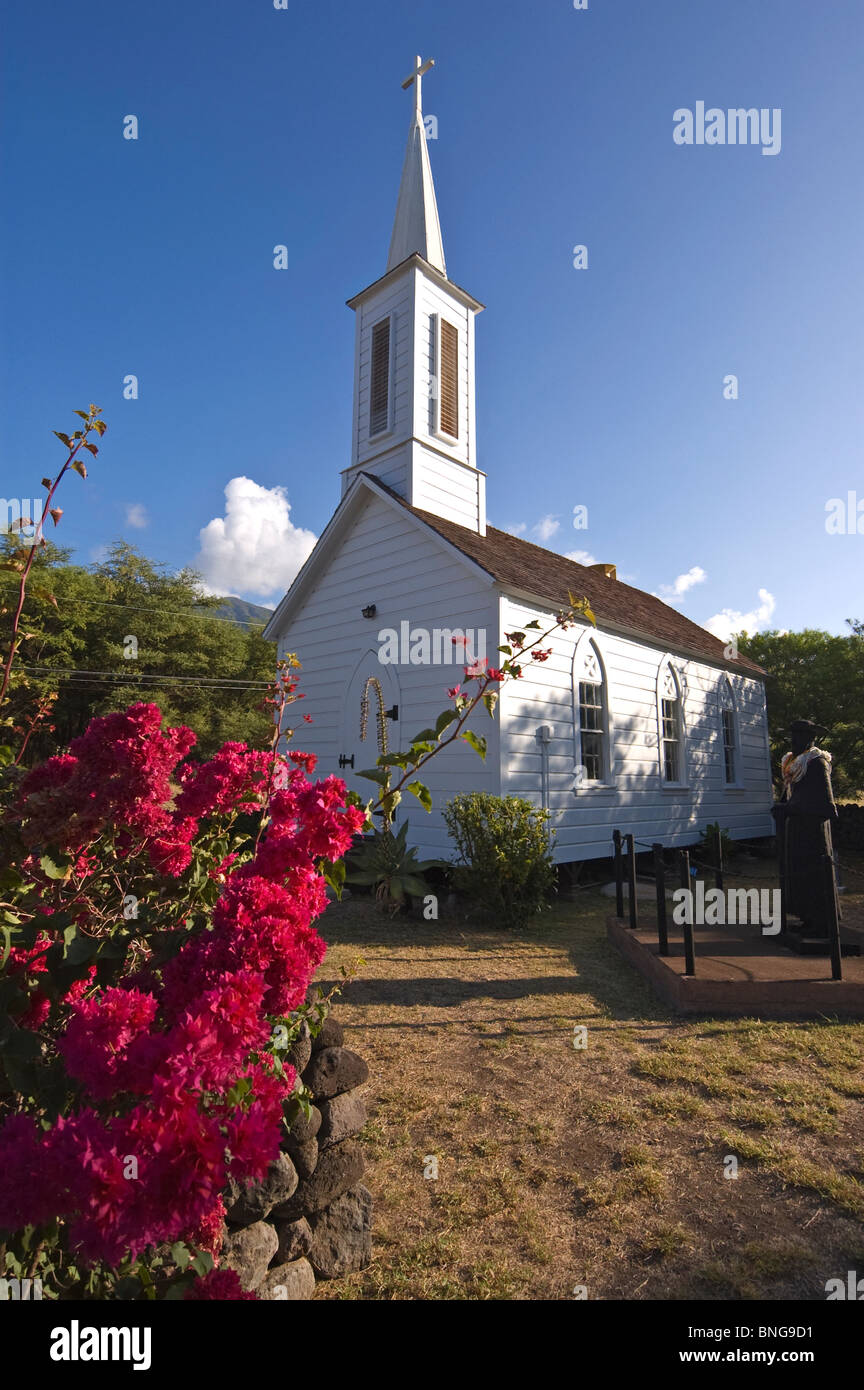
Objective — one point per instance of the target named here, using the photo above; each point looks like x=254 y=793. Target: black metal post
x=660 y=885
x=631 y=880
x=781 y=866
x=833 y=922
x=619 y=874
x=689 y=954
x=718 y=872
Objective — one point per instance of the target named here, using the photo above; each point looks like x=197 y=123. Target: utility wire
x=155 y=608
x=147 y=676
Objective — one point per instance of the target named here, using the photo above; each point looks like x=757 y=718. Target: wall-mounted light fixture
x=369 y=611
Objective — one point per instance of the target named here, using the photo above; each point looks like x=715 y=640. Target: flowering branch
x=450 y=724
x=75 y=444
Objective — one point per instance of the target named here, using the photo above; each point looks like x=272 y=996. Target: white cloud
x=255 y=550
x=545 y=528
x=582 y=557
x=515 y=530
x=670 y=593
x=136 y=515
x=728 y=621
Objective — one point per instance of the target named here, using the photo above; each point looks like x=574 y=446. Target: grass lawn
x=601 y=1167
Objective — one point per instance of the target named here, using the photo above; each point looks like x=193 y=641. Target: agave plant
x=383 y=860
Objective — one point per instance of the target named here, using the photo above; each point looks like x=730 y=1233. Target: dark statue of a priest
x=803 y=819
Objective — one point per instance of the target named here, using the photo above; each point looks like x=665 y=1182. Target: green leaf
x=80 y=467
x=82 y=950
x=376 y=774
x=23 y=1077
x=364 y=877
x=114 y=947
x=477 y=743
x=508 y=651
x=422 y=793
x=425 y=735
x=389 y=803
x=407 y=883
x=334 y=874
x=12 y=1000
x=446 y=717
x=130 y=1287
x=490 y=700
x=64 y=438
x=51 y=869
x=175 y=1293
x=180 y=1254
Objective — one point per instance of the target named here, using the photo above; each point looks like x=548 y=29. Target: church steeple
x=416 y=226
x=414 y=419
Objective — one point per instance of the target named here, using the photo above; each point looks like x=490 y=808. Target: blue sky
x=600 y=387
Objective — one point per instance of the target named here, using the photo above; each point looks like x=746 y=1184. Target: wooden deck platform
x=741 y=972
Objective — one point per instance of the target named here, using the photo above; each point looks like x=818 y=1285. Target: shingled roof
x=529 y=569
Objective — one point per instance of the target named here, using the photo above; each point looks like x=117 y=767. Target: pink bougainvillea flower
x=173 y=1087
x=223 y=1284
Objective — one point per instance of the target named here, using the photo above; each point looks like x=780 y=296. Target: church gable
x=392 y=538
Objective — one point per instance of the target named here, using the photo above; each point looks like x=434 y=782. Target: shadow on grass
x=575 y=929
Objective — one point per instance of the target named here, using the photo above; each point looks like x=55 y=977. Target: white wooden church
x=669 y=734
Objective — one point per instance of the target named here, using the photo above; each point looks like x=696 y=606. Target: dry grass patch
x=604 y=1166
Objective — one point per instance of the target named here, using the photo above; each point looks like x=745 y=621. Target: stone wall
x=311 y=1216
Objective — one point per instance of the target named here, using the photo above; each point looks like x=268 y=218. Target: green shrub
x=708 y=844
x=504 y=855
x=382 y=860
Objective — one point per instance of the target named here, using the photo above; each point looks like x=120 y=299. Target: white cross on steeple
x=417 y=77
x=415 y=226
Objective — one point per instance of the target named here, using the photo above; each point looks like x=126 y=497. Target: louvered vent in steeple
x=379 y=391
x=449 y=373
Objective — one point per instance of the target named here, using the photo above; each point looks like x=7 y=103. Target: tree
x=816 y=675
x=132 y=630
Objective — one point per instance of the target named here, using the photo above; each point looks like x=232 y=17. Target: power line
x=155 y=608
x=81 y=683
x=149 y=677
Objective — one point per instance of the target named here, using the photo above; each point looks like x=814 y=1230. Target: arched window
x=591 y=717
x=670 y=702
x=729 y=732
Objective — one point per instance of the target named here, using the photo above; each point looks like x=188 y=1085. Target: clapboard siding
x=446 y=488
x=385 y=559
x=636 y=799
